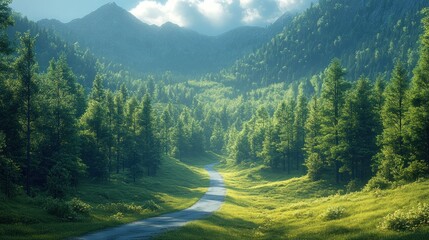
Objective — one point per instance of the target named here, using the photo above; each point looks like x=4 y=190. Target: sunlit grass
x=178 y=185
x=261 y=204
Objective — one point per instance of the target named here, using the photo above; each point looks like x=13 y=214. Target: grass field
x=261 y=204
x=177 y=186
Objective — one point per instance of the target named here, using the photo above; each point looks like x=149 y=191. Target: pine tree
x=418 y=114
x=300 y=116
x=393 y=151
x=357 y=130
x=57 y=122
x=95 y=132
x=284 y=119
x=313 y=138
x=166 y=125
x=216 y=140
x=110 y=106
x=130 y=148
x=10 y=146
x=25 y=67
x=148 y=143
x=241 y=149
x=333 y=91
x=119 y=127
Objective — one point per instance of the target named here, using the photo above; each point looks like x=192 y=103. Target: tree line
x=348 y=131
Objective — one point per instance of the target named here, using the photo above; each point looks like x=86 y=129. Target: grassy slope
x=177 y=186
x=265 y=205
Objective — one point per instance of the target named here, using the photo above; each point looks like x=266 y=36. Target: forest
x=347 y=109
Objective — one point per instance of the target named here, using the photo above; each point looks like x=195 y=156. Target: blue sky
x=210 y=17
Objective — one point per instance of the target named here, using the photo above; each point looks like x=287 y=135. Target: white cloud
x=214 y=16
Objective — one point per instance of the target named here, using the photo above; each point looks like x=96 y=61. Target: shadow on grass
x=215 y=227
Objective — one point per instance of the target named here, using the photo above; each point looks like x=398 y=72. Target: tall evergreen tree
x=301 y=112
x=25 y=66
x=313 y=138
x=95 y=132
x=393 y=152
x=418 y=115
x=333 y=91
x=357 y=126
x=148 y=143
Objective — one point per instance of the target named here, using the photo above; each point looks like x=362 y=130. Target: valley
x=317 y=123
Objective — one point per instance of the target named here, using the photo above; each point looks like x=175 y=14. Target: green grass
x=262 y=204
x=178 y=185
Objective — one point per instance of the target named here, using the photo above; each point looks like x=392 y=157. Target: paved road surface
x=145 y=229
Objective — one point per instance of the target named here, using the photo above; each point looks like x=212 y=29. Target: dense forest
x=347 y=106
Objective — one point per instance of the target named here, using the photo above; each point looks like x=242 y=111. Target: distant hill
x=49 y=46
x=367 y=36
x=116 y=34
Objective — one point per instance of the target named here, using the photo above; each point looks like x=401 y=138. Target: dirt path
x=147 y=228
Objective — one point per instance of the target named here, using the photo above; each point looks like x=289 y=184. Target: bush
x=377 y=182
x=9 y=177
x=117 y=216
x=314 y=166
x=58 y=181
x=78 y=206
x=60 y=208
x=353 y=186
x=151 y=205
x=416 y=170
x=122 y=208
x=401 y=220
x=69 y=210
x=333 y=213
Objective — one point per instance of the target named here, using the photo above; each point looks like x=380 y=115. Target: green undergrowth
x=262 y=204
x=95 y=206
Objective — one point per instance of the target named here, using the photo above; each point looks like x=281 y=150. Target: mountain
x=114 y=33
x=49 y=45
x=368 y=36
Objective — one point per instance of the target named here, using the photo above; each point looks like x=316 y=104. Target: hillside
x=98 y=205
x=367 y=36
x=321 y=133
x=116 y=34
x=264 y=205
x=49 y=46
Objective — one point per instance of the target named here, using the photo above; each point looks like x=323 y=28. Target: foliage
x=60 y=209
x=333 y=213
x=58 y=181
x=377 y=182
x=79 y=206
x=410 y=220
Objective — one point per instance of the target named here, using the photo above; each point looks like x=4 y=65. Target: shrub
x=151 y=205
x=78 y=206
x=122 y=207
x=377 y=182
x=314 y=166
x=69 y=210
x=416 y=170
x=60 y=208
x=333 y=213
x=353 y=186
x=117 y=216
x=58 y=181
x=401 y=220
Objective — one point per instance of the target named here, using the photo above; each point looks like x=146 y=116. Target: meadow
x=100 y=205
x=262 y=204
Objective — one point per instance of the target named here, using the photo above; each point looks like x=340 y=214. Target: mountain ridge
x=114 y=33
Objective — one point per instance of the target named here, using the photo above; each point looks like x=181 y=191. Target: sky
x=211 y=17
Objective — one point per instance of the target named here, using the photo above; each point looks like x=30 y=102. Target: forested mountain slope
x=116 y=34
x=367 y=36
x=49 y=46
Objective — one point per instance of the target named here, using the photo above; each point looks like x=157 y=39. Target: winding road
x=147 y=228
